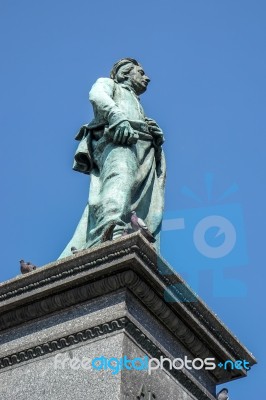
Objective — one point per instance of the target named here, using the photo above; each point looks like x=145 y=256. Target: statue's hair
x=122 y=68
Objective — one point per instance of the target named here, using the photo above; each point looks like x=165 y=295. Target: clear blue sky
x=206 y=60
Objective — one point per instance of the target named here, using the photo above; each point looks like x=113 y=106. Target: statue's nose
x=147 y=79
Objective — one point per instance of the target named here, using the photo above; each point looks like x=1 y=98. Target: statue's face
x=138 y=80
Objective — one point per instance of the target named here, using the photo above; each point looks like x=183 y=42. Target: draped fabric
x=123 y=178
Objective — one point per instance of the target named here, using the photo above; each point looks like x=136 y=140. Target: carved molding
x=155 y=352
x=166 y=312
x=66 y=274
x=63 y=342
x=120 y=324
x=127 y=279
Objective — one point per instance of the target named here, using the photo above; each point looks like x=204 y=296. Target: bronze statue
x=121 y=150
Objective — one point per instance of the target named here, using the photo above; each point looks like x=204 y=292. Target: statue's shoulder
x=108 y=81
x=103 y=84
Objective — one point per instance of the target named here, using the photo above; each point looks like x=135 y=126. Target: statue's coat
x=123 y=177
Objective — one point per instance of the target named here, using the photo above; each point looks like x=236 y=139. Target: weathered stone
x=108 y=301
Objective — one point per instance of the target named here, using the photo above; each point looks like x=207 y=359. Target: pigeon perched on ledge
x=26 y=267
x=138 y=224
x=74 y=250
x=222 y=395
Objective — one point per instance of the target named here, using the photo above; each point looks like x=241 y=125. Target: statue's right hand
x=124 y=134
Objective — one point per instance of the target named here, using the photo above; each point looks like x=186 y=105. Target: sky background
x=206 y=60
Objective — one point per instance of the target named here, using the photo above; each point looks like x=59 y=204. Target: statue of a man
x=121 y=150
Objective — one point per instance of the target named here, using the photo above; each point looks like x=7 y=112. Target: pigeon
x=26 y=267
x=138 y=224
x=108 y=233
x=74 y=250
x=222 y=395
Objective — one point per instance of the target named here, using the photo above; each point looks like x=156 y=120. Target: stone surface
x=108 y=301
x=40 y=380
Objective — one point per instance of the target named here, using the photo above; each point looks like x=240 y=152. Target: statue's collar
x=129 y=88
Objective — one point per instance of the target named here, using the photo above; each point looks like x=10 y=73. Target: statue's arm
x=101 y=97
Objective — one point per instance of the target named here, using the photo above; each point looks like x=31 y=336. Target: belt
x=144 y=136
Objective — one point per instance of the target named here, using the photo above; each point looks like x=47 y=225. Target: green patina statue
x=121 y=150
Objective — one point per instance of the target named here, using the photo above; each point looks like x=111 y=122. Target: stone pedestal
x=109 y=302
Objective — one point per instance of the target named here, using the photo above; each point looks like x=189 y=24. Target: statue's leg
x=118 y=171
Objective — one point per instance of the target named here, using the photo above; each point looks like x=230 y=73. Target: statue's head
x=131 y=73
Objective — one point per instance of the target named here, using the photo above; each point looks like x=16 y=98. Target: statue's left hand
x=155 y=131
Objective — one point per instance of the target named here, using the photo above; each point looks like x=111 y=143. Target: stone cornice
x=127 y=279
x=128 y=262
